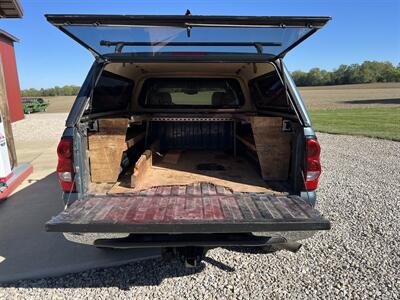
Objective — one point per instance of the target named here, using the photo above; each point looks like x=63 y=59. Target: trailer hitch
x=191 y=257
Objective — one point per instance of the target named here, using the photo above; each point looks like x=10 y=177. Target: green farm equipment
x=31 y=105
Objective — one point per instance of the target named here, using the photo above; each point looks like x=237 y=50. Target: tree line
x=367 y=72
x=66 y=90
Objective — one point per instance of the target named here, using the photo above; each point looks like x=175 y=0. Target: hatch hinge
x=188 y=27
x=118 y=47
x=100 y=59
x=259 y=48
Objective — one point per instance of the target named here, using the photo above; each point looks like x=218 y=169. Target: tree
x=368 y=71
x=67 y=90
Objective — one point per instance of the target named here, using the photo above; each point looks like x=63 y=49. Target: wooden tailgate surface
x=196 y=208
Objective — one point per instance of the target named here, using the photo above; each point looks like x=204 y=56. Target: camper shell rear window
x=191 y=92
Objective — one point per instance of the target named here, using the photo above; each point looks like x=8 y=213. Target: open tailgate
x=198 y=208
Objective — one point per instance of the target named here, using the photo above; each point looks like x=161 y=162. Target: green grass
x=201 y=98
x=379 y=122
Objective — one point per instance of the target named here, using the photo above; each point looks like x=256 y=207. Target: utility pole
x=6 y=119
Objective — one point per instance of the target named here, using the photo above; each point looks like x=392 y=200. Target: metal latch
x=287 y=126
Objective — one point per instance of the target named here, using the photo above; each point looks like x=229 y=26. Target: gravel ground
x=53 y=125
x=358 y=258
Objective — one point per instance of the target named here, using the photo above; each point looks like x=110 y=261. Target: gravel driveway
x=358 y=258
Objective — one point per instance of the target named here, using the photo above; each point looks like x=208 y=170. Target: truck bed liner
x=196 y=208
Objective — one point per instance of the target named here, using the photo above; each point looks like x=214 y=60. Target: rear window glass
x=194 y=92
x=267 y=91
x=112 y=93
x=105 y=39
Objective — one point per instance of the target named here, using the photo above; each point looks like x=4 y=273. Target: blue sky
x=360 y=30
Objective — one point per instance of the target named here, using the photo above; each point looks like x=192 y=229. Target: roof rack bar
x=258 y=45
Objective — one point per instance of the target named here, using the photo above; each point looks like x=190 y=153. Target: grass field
x=360 y=109
x=377 y=122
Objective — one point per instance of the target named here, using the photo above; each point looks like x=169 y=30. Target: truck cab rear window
x=112 y=93
x=267 y=91
x=193 y=92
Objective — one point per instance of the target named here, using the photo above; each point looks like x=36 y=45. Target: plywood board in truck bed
x=238 y=174
x=273 y=147
x=106 y=148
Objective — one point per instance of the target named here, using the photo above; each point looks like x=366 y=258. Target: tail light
x=313 y=164
x=65 y=168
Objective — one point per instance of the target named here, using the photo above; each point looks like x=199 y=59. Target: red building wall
x=11 y=79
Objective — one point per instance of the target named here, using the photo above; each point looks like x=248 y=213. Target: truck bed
x=188 y=167
x=196 y=208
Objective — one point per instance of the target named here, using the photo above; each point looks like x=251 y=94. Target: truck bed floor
x=235 y=173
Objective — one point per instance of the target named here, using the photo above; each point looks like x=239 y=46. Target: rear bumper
x=102 y=239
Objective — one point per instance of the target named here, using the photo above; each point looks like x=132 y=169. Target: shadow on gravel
x=373 y=101
x=143 y=273
x=150 y=272
x=27 y=251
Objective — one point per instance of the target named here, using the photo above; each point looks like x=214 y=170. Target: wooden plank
x=135 y=139
x=113 y=126
x=100 y=141
x=105 y=164
x=273 y=147
x=106 y=148
x=246 y=143
x=12 y=154
x=105 y=159
x=142 y=166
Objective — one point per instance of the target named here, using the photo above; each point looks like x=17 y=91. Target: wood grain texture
x=106 y=148
x=141 y=169
x=273 y=147
x=239 y=174
x=197 y=208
